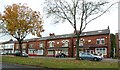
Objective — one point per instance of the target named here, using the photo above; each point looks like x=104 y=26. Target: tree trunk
x=77 y=47
x=20 y=45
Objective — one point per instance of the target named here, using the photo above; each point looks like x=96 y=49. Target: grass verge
x=58 y=63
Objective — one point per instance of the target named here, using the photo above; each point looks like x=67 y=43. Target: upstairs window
x=51 y=43
x=65 y=43
x=41 y=45
x=31 y=45
x=17 y=46
x=23 y=46
x=80 y=43
x=100 y=41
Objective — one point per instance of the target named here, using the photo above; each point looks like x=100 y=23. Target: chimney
x=52 y=34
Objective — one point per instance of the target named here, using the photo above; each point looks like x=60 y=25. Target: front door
x=92 y=51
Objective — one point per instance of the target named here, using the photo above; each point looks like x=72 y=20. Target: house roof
x=6 y=42
x=90 y=33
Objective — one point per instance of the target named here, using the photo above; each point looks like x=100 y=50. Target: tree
x=21 y=20
x=79 y=13
x=113 y=44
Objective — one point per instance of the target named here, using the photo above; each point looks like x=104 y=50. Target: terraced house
x=93 y=42
x=7 y=47
x=117 y=44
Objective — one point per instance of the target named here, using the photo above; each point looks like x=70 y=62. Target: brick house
x=7 y=47
x=92 y=41
x=31 y=46
x=24 y=47
x=95 y=42
x=117 y=45
x=58 y=43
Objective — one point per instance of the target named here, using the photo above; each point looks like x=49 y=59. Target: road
x=9 y=66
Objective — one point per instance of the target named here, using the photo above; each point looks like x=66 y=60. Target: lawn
x=58 y=63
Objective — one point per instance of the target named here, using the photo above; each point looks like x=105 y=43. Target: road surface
x=9 y=66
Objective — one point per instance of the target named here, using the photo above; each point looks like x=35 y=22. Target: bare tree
x=76 y=12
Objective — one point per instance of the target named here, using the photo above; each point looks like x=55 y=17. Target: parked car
x=23 y=54
x=88 y=56
x=61 y=55
x=2 y=53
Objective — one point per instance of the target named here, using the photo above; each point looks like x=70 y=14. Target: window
x=32 y=51
x=101 y=51
x=80 y=43
x=100 y=41
x=23 y=46
x=41 y=45
x=30 y=45
x=11 y=46
x=50 y=52
x=40 y=52
x=65 y=51
x=65 y=43
x=51 y=43
x=17 y=46
x=89 y=40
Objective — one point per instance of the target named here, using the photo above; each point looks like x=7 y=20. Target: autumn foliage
x=20 y=20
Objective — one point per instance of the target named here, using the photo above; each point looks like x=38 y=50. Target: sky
x=108 y=19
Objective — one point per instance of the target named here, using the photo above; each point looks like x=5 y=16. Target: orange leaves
x=19 y=17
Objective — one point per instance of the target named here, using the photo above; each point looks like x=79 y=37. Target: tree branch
x=98 y=15
x=64 y=13
x=102 y=13
x=83 y=12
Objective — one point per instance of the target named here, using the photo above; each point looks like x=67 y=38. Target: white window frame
x=31 y=45
x=40 y=52
x=41 y=45
x=50 y=52
x=101 y=52
x=100 y=40
x=51 y=43
x=65 y=43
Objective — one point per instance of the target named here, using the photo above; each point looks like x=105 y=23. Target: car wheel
x=95 y=59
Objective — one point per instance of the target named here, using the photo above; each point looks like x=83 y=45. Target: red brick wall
x=93 y=39
x=58 y=40
x=72 y=43
x=93 y=42
x=117 y=44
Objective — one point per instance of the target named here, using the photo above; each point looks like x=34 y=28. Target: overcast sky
x=109 y=19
